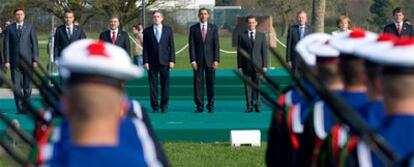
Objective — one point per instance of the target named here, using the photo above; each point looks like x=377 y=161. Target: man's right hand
x=7 y=66
x=146 y=65
x=289 y=63
x=194 y=65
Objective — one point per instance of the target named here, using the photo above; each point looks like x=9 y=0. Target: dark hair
x=69 y=11
x=250 y=17
x=18 y=9
x=156 y=11
x=352 y=70
x=397 y=10
x=114 y=17
x=201 y=9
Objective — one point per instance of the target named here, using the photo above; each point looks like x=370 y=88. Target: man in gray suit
x=254 y=43
x=20 y=41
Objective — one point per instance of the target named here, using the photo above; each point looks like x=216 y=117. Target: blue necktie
x=301 y=32
x=157 y=34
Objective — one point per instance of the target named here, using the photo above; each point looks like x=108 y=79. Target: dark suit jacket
x=257 y=51
x=292 y=39
x=26 y=45
x=62 y=40
x=406 y=30
x=204 y=51
x=161 y=53
x=122 y=39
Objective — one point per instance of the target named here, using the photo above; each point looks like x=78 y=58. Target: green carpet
x=180 y=123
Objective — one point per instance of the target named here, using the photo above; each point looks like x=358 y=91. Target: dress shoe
x=210 y=111
x=198 y=110
x=248 y=109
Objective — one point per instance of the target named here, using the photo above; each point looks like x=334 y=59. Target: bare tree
x=284 y=10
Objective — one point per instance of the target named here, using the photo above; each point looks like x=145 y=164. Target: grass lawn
x=185 y=154
x=214 y=154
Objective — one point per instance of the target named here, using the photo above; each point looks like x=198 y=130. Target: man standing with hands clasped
x=254 y=43
x=159 y=58
x=204 y=50
x=20 y=42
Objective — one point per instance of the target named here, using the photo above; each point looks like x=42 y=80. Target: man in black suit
x=66 y=34
x=159 y=58
x=204 y=50
x=295 y=34
x=20 y=42
x=254 y=43
x=116 y=36
x=399 y=28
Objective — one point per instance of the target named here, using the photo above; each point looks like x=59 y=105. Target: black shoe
x=257 y=109
x=164 y=110
x=248 y=109
x=198 y=110
x=155 y=111
x=210 y=111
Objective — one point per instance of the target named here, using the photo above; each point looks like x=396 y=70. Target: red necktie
x=398 y=28
x=203 y=32
x=113 y=37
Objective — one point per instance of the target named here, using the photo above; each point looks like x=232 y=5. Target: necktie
x=398 y=28
x=252 y=37
x=69 y=33
x=157 y=34
x=302 y=32
x=203 y=32
x=19 y=30
x=113 y=37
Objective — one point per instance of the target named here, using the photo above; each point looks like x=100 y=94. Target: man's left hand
x=215 y=64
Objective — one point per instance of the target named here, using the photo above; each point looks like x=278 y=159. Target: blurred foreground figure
x=103 y=127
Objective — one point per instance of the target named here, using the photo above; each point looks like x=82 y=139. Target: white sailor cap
x=302 y=46
x=92 y=57
x=347 y=42
x=401 y=55
x=323 y=49
x=372 y=49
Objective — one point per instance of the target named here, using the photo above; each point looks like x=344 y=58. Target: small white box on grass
x=245 y=137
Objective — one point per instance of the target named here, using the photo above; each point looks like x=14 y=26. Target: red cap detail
x=404 y=41
x=386 y=37
x=97 y=49
x=327 y=42
x=357 y=33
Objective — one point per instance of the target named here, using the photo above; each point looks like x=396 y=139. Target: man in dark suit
x=20 y=42
x=66 y=34
x=204 y=50
x=116 y=36
x=295 y=34
x=159 y=58
x=399 y=28
x=254 y=43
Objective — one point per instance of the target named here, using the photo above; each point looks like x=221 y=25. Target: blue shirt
x=373 y=112
x=398 y=132
x=129 y=151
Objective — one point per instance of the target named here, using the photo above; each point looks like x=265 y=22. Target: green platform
x=180 y=123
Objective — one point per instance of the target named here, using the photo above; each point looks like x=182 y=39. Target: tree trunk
x=285 y=24
x=318 y=15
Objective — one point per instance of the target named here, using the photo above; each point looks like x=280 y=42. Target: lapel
x=404 y=28
x=118 y=36
x=24 y=29
x=74 y=33
x=163 y=33
x=153 y=33
x=108 y=36
x=209 y=29
x=199 y=31
x=13 y=27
